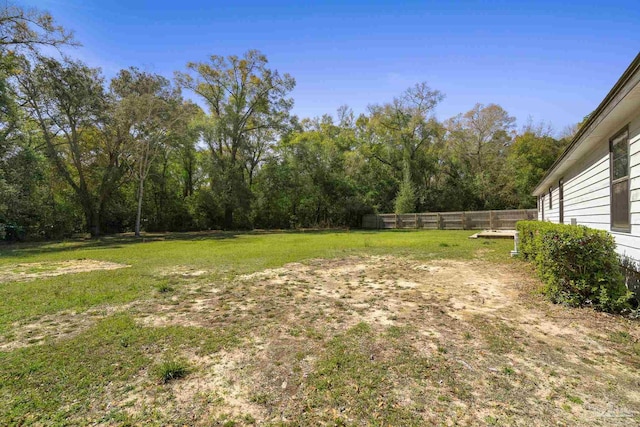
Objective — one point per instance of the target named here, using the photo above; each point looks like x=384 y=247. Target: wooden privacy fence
x=472 y=220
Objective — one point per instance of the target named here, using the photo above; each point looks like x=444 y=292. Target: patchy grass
x=62 y=380
x=220 y=255
x=348 y=383
x=284 y=329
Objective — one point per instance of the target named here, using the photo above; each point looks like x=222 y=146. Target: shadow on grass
x=26 y=249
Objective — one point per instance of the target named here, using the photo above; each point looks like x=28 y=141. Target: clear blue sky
x=551 y=60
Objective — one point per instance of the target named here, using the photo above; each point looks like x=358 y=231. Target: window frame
x=561 y=200
x=551 y=197
x=627 y=178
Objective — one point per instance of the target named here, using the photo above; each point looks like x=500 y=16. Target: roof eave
x=631 y=70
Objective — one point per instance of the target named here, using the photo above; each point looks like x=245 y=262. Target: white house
x=596 y=181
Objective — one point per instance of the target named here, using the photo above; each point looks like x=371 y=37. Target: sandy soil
x=498 y=353
x=36 y=270
x=486 y=317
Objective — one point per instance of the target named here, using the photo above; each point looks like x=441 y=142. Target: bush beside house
x=578 y=265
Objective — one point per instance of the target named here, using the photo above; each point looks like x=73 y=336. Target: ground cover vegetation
x=80 y=153
x=302 y=328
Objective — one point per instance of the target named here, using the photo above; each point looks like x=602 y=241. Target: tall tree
x=69 y=103
x=307 y=181
x=479 y=139
x=151 y=108
x=22 y=32
x=481 y=134
x=401 y=134
x=244 y=97
x=23 y=170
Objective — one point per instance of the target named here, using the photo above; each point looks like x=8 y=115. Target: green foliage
x=247 y=102
x=406 y=199
x=578 y=265
x=306 y=184
x=477 y=142
x=80 y=154
x=530 y=155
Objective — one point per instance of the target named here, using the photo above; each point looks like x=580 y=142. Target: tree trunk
x=188 y=184
x=228 y=217
x=139 y=212
x=93 y=221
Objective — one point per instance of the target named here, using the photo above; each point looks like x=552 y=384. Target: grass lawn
x=333 y=328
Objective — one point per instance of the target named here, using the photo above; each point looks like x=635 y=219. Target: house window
x=550 y=199
x=619 y=158
x=561 y=200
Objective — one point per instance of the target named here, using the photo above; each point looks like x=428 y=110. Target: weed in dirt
x=395 y=331
x=627 y=341
x=164 y=288
x=260 y=398
x=313 y=334
x=621 y=337
x=574 y=399
x=491 y=421
x=295 y=331
x=171 y=369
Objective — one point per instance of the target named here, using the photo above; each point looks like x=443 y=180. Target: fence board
x=470 y=220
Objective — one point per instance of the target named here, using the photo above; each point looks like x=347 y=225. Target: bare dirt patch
x=496 y=352
x=394 y=341
x=69 y=323
x=61 y=325
x=36 y=270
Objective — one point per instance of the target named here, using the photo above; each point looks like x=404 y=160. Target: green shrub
x=406 y=199
x=578 y=265
x=631 y=272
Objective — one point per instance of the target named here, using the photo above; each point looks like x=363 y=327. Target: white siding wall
x=552 y=213
x=587 y=194
x=540 y=212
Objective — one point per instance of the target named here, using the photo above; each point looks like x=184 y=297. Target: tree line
x=79 y=153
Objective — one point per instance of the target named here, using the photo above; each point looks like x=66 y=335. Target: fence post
x=396 y=223
x=439 y=222
x=490 y=220
x=415 y=220
x=464 y=221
